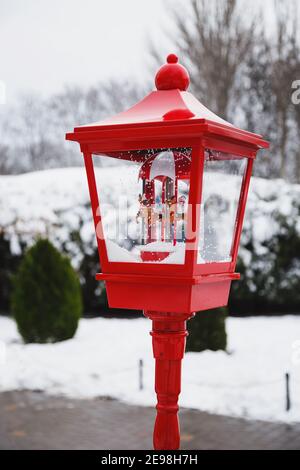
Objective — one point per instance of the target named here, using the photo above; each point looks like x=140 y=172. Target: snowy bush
x=9 y=262
x=269 y=260
x=207 y=331
x=46 y=298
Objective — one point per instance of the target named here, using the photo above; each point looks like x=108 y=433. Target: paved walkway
x=30 y=420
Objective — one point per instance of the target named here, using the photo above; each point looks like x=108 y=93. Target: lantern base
x=165 y=294
x=168 y=341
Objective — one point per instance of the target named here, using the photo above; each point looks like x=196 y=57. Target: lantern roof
x=170 y=104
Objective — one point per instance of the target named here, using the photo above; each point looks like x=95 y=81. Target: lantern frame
x=200 y=280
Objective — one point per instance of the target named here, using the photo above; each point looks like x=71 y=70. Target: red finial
x=172 y=59
x=172 y=75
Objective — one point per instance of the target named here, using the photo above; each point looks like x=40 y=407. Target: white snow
x=102 y=360
x=56 y=202
x=177 y=256
x=103 y=357
x=160 y=246
x=119 y=254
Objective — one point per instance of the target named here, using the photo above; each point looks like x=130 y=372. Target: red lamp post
x=171 y=247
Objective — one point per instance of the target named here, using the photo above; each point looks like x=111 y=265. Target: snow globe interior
x=143 y=195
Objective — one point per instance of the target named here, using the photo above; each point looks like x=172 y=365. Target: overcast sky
x=45 y=44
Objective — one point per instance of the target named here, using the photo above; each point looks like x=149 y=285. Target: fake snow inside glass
x=222 y=183
x=143 y=198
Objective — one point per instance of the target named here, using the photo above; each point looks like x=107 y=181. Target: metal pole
x=287 y=388
x=141 y=364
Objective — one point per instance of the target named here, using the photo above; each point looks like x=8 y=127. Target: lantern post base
x=168 y=341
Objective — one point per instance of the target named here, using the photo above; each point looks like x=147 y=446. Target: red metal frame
x=241 y=213
x=169 y=294
x=88 y=161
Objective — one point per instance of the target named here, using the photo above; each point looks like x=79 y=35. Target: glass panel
x=143 y=204
x=222 y=181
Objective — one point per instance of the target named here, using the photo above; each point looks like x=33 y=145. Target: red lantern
x=168 y=245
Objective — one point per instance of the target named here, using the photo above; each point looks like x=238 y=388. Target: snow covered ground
x=103 y=357
x=102 y=360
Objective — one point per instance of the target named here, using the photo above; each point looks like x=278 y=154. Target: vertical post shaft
x=287 y=389
x=141 y=364
x=168 y=341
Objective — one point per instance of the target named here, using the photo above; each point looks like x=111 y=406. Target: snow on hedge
x=56 y=202
x=102 y=360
